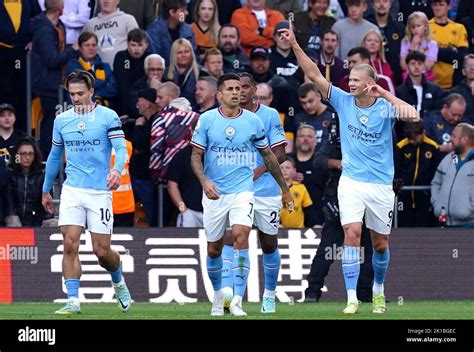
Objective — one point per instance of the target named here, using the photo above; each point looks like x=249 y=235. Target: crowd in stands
x=156 y=63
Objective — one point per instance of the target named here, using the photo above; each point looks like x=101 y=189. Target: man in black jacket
x=329 y=158
x=426 y=96
x=466 y=88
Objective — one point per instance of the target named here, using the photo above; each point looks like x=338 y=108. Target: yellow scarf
x=14 y=8
x=99 y=74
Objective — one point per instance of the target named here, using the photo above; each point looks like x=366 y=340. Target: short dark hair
x=363 y=52
x=446 y=1
x=249 y=76
x=137 y=35
x=80 y=76
x=415 y=55
x=413 y=129
x=305 y=88
x=331 y=32
x=355 y=2
x=85 y=36
x=290 y=160
x=230 y=76
x=168 y=5
x=229 y=25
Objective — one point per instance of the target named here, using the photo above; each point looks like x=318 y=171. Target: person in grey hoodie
x=111 y=27
x=452 y=188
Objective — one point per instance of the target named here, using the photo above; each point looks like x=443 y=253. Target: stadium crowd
x=156 y=63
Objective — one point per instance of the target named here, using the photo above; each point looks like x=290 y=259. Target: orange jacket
x=246 y=21
x=122 y=198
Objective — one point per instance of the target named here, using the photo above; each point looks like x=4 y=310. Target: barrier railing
x=406 y=188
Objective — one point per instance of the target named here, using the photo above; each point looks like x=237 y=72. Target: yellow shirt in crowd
x=295 y=219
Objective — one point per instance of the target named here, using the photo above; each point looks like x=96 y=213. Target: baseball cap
x=6 y=106
x=148 y=94
x=260 y=51
x=281 y=25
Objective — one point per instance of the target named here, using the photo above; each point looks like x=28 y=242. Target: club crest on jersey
x=81 y=125
x=230 y=131
x=364 y=119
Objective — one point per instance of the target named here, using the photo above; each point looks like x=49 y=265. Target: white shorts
x=87 y=208
x=190 y=218
x=267 y=214
x=374 y=200
x=228 y=210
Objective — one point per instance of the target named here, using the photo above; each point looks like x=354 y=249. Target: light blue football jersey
x=229 y=144
x=87 y=140
x=266 y=186
x=366 y=137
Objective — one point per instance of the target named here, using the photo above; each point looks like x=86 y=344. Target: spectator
x=357 y=56
x=416 y=159
x=282 y=59
x=15 y=41
x=417 y=90
x=225 y=9
x=409 y=6
x=353 y=24
x=466 y=87
x=123 y=202
x=260 y=70
x=418 y=38
x=129 y=66
x=229 y=44
x=309 y=25
x=171 y=130
x=169 y=27
x=206 y=25
x=256 y=24
x=24 y=190
x=206 y=94
x=440 y=125
x=303 y=211
x=213 y=62
x=141 y=10
x=392 y=33
x=183 y=69
x=392 y=5
x=452 y=41
x=144 y=189
x=185 y=190
x=154 y=66
x=468 y=22
x=315 y=114
x=111 y=27
x=87 y=59
x=313 y=179
x=453 y=185
x=286 y=7
x=373 y=42
x=75 y=15
x=48 y=58
x=329 y=63
x=9 y=136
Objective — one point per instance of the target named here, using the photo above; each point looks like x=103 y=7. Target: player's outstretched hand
x=210 y=190
x=374 y=91
x=47 y=202
x=113 y=180
x=288 y=201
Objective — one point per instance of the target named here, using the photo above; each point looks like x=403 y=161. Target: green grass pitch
x=321 y=310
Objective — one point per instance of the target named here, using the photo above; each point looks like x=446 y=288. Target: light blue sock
x=271 y=268
x=240 y=271
x=351 y=269
x=380 y=265
x=72 y=286
x=214 y=270
x=227 y=264
x=116 y=275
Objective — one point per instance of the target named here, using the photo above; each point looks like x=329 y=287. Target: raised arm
x=307 y=65
x=404 y=111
